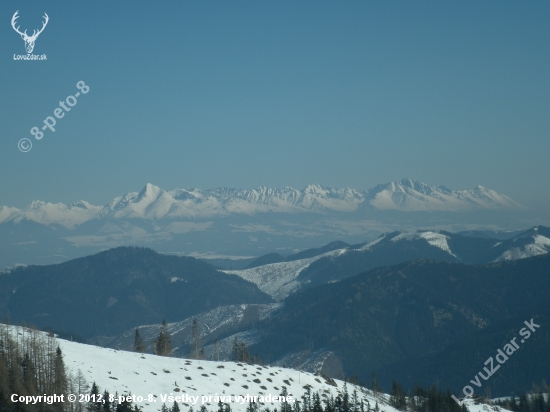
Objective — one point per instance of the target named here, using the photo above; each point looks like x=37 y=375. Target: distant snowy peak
x=48 y=213
x=413 y=196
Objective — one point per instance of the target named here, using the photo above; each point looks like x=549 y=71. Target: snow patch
x=434 y=239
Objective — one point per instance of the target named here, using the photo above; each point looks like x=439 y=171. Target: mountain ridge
x=117 y=289
x=153 y=203
x=283 y=277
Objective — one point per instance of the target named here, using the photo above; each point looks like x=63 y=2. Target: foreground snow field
x=144 y=375
x=153 y=380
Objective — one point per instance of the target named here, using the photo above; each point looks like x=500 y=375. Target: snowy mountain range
x=154 y=204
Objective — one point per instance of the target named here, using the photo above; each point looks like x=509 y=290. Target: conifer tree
x=355 y=401
x=235 y=350
x=124 y=406
x=285 y=406
x=317 y=407
x=306 y=399
x=107 y=402
x=139 y=345
x=397 y=396
x=240 y=351
x=28 y=375
x=196 y=341
x=217 y=349
x=94 y=405
x=345 y=399
x=329 y=404
x=338 y=404
x=163 y=344
x=252 y=407
x=60 y=376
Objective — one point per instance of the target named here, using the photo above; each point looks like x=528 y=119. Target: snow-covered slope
x=434 y=239
x=154 y=380
x=153 y=203
x=279 y=279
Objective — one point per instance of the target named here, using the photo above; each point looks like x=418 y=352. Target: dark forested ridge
x=399 y=319
x=118 y=289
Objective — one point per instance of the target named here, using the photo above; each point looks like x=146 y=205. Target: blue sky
x=286 y=93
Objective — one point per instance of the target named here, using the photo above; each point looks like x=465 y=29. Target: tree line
x=536 y=400
x=31 y=364
x=162 y=345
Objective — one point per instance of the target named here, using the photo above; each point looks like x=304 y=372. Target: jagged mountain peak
x=150 y=191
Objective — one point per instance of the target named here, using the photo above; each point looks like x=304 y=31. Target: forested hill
x=120 y=288
x=416 y=310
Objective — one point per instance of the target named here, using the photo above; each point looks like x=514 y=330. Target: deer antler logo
x=29 y=40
